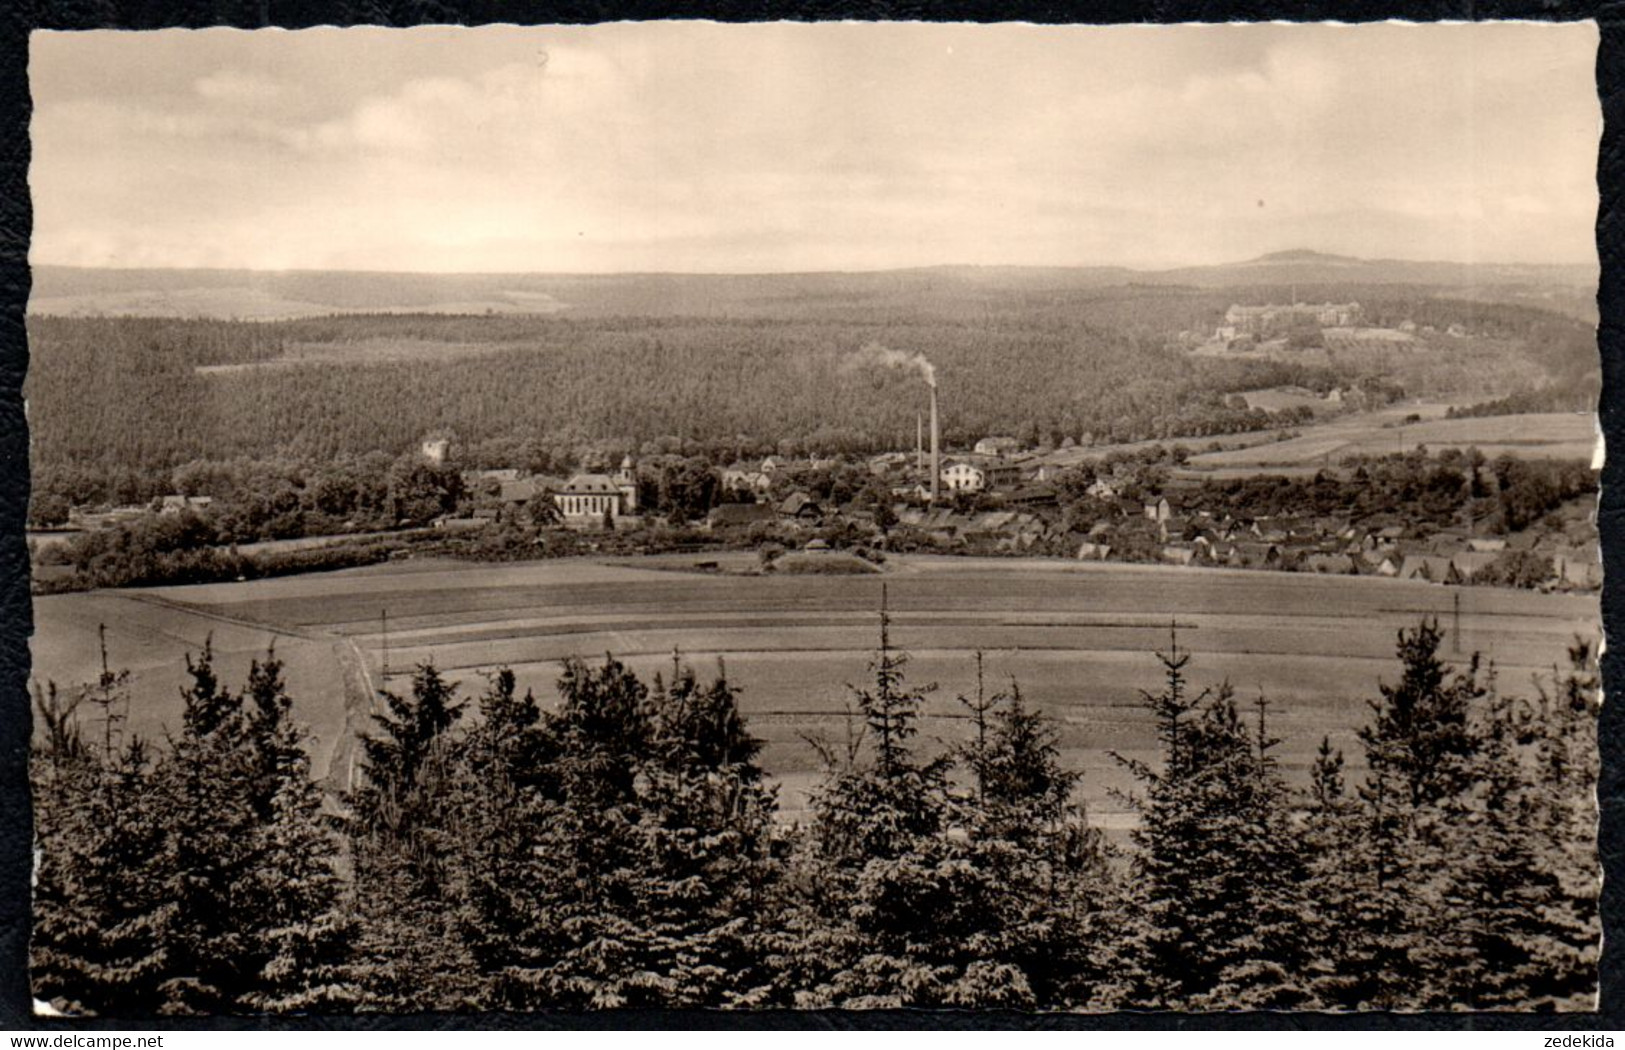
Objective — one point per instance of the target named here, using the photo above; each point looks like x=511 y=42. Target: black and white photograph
x=815 y=516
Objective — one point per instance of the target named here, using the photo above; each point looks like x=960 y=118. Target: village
x=999 y=499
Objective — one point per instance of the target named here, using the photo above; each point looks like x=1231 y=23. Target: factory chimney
x=919 y=441
x=936 y=448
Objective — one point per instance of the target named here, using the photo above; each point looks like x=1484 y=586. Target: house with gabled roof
x=799 y=506
x=1576 y=567
x=1178 y=554
x=1331 y=564
x=1429 y=567
x=733 y=515
x=1469 y=564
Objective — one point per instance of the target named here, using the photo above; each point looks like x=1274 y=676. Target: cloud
x=697 y=146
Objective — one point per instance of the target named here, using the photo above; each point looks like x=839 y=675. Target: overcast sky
x=701 y=147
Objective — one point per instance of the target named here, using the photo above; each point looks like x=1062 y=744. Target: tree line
x=620 y=848
x=1449 y=488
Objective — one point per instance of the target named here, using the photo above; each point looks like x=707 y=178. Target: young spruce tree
x=1213 y=913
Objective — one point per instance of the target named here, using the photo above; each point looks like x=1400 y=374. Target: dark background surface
x=19 y=17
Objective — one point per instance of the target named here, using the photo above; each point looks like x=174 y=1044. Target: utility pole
x=383 y=677
x=1455 y=624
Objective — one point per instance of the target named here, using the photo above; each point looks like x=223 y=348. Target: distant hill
x=266 y=295
x=1315 y=268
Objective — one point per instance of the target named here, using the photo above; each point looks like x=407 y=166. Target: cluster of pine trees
x=620 y=849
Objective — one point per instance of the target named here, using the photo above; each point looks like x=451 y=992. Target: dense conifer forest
x=619 y=848
x=118 y=401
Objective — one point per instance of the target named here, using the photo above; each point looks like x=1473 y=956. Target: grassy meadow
x=1535 y=435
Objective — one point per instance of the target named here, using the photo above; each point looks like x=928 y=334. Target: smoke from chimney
x=876 y=355
x=885 y=357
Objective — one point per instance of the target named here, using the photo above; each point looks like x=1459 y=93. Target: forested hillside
x=143 y=395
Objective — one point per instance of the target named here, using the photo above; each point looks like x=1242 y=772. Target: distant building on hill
x=435 y=450
x=1273 y=319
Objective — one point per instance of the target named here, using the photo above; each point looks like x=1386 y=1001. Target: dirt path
x=360 y=705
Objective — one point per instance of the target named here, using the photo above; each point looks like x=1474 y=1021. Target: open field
x=1550 y=435
x=1078 y=637
x=1280 y=398
x=360 y=352
x=150 y=637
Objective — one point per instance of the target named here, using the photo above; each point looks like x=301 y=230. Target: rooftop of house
x=740 y=513
x=590 y=485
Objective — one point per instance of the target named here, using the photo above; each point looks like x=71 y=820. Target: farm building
x=1576 y=567
x=798 y=506
x=1172 y=528
x=1431 y=567
x=1469 y=564
x=997 y=446
x=734 y=514
x=1523 y=541
x=489 y=482
x=1384 y=567
x=1331 y=564
x=1250 y=555
x=1035 y=496
x=521 y=491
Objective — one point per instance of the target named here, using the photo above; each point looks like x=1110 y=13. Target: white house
x=736 y=480
x=587 y=500
x=997 y=446
x=1102 y=488
x=963 y=477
